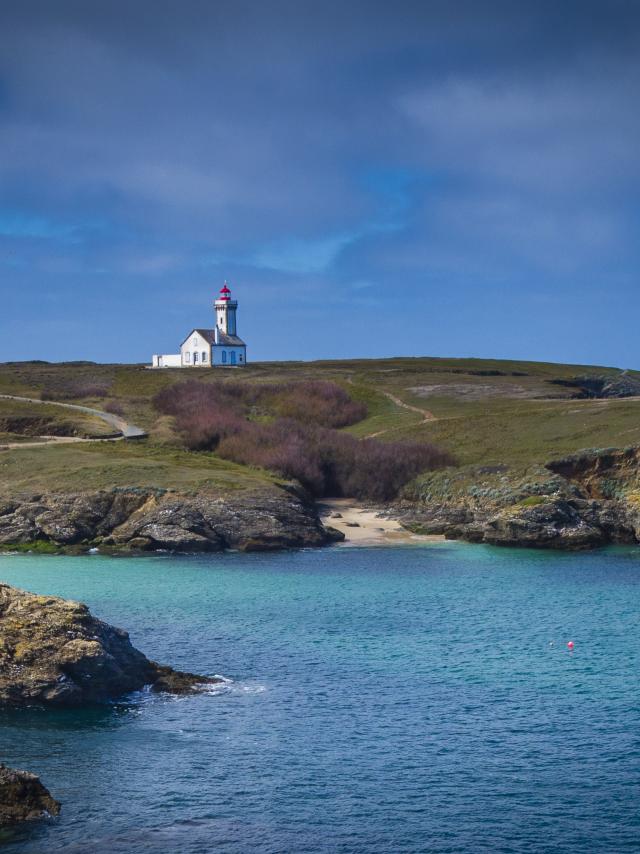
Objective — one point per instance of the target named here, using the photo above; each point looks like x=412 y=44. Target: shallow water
x=401 y=699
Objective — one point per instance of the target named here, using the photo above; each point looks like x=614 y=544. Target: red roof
x=225 y=289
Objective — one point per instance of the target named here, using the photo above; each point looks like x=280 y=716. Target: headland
x=500 y=452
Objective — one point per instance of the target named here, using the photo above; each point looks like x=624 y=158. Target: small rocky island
x=23 y=797
x=54 y=652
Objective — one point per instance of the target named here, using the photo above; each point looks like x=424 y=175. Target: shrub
x=72 y=390
x=316 y=402
x=114 y=407
x=282 y=447
x=203 y=430
x=328 y=462
x=194 y=397
x=302 y=443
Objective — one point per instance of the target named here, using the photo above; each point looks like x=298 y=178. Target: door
x=233 y=357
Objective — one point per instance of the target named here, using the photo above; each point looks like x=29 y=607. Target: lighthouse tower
x=225 y=309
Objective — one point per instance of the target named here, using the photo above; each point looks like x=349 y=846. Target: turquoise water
x=384 y=700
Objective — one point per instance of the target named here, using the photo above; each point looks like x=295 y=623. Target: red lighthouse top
x=224 y=292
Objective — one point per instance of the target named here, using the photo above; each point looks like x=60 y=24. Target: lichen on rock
x=586 y=500
x=53 y=652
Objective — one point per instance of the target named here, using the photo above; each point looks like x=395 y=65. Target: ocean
x=392 y=699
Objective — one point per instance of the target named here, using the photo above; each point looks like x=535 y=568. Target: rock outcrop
x=23 y=797
x=147 y=520
x=587 y=500
x=53 y=652
x=617 y=386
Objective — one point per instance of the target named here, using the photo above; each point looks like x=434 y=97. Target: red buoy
x=570 y=645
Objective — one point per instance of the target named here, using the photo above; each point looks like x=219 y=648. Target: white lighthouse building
x=211 y=348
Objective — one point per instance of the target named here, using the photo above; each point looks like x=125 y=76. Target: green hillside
x=483 y=411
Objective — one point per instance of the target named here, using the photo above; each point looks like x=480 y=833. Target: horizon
x=370 y=180
x=337 y=361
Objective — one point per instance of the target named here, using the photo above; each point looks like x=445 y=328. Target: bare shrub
x=328 y=462
x=317 y=402
x=320 y=403
x=281 y=447
x=203 y=430
x=194 y=397
x=303 y=445
x=114 y=407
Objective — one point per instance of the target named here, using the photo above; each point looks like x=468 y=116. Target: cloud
x=301 y=256
x=18 y=225
x=568 y=134
x=460 y=148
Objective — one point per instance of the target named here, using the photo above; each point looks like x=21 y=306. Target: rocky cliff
x=23 y=797
x=53 y=652
x=590 y=499
x=145 y=519
x=586 y=500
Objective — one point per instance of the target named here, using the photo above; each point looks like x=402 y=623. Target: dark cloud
x=307 y=149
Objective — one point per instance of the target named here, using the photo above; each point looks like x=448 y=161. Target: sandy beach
x=362 y=526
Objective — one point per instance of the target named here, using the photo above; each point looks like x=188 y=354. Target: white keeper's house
x=219 y=347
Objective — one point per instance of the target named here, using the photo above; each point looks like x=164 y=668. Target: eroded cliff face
x=590 y=499
x=582 y=501
x=53 y=652
x=147 y=520
x=609 y=474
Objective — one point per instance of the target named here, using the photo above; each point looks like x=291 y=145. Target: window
x=187 y=357
x=204 y=356
x=240 y=357
x=195 y=342
x=224 y=356
x=195 y=358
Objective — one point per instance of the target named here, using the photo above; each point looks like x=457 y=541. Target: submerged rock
x=23 y=797
x=54 y=652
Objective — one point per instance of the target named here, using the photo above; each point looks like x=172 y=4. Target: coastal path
x=126 y=430
x=425 y=413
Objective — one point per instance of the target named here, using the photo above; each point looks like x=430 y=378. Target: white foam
x=252 y=689
x=228 y=686
x=220 y=687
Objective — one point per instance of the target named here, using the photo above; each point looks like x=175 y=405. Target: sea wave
x=229 y=686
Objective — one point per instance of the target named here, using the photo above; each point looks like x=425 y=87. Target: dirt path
x=426 y=414
x=127 y=431
x=362 y=526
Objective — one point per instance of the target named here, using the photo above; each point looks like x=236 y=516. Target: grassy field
x=483 y=411
x=95 y=466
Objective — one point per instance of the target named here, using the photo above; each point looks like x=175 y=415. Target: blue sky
x=373 y=179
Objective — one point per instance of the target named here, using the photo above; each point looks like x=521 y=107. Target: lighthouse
x=219 y=347
x=225 y=309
